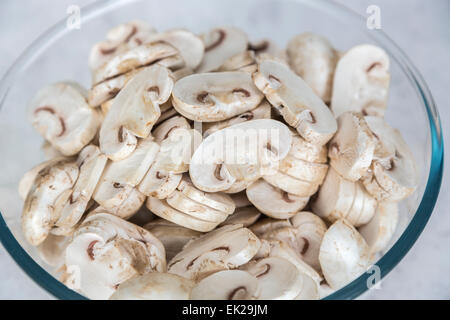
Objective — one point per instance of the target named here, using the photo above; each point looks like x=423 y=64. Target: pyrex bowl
x=62 y=54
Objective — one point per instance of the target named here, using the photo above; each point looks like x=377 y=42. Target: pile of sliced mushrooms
x=123 y=208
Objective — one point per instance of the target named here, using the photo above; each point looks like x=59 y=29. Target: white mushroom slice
x=225 y=248
x=313 y=58
x=274 y=202
x=352 y=148
x=239 y=186
x=190 y=46
x=240 y=200
x=62 y=116
x=132 y=170
x=119 y=39
x=179 y=201
x=38 y=215
x=172 y=236
x=220 y=45
x=217 y=201
x=158 y=183
x=174 y=62
x=379 y=231
x=325 y=291
x=303 y=170
x=246 y=216
x=291 y=185
x=361 y=81
x=27 y=180
x=296 y=101
x=52 y=250
x=263 y=111
x=167 y=115
x=106 y=251
x=134 y=58
x=227 y=285
x=278 y=279
x=154 y=286
x=181 y=73
x=393 y=174
x=130 y=206
x=162 y=209
x=239 y=61
x=91 y=163
x=309 y=229
x=106 y=106
x=251 y=144
x=107 y=90
x=266 y=225
x=344 y=255
x=163 y=131
x=134 y=111
x=210 y=97
x=339 y=198
x=303 y=150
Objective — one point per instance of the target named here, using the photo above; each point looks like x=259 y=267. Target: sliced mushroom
x=210 y=97
x=163 y=130
x=249 y=145
x=379 y=231
x=361 y=81
x=91 y=165
x=274 y=202
x=172 y=236
x=62 y=116
x=107 y=251
x=53 y=249
x=263 y=111
x=240 y=200
x=245 y=61
x=339 y=198
x=225 y=248
x=159 y=184
x=300 y=107
x=154 y=286
x=190 y=47
x=314 y=59
x=240 y=185
x=352 y=148
x=303 y=150
x=344 y=255
x=246 y=216
x=134 y=111
x=220 y=45
x=134 y=58
x=291 y=185
x=325 y=291
x=51 y=183
x=227 y=285
x=393 y=173
x=169 y=113
x=118 y=40
x=303 y=170
x=267 y=225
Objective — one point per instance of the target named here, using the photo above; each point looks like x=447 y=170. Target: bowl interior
x=62 y=54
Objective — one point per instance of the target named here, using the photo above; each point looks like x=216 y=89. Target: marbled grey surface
x=420 y=27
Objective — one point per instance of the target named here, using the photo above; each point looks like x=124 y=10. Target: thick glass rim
x=358 y=286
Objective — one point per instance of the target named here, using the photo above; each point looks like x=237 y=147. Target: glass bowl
x=62 y=54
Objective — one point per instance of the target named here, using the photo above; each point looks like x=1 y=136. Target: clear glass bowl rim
x=354 y=289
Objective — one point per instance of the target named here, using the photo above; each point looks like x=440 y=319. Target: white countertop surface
x=420 y=27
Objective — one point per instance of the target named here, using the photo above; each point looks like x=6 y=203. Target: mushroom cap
x=274 y=202
x=189 y=46
x=291 y=185
x=227 y=247
x=246 y=216
x=133 y=58
x=266 y=225
x=172 y=236
x=134 y=111
x=393 y=175
x=227 y=285
x=278 y=279
x=314 y=59
x=299 y=105
x=217 y=96
x=221 y=44
x=304 y=150
x=118 y=40
x=164 y=129
x=158 y=183
x=361 y=81
x=51 y=183
x=352 y=148
x=239 y=62
x=344 y=255
x=62 y=116
x=107 y=251
x=380 y=229
x=251 y=144
x=311 y=172
x=154 y=286
x=52 y=250
x=91 y=165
